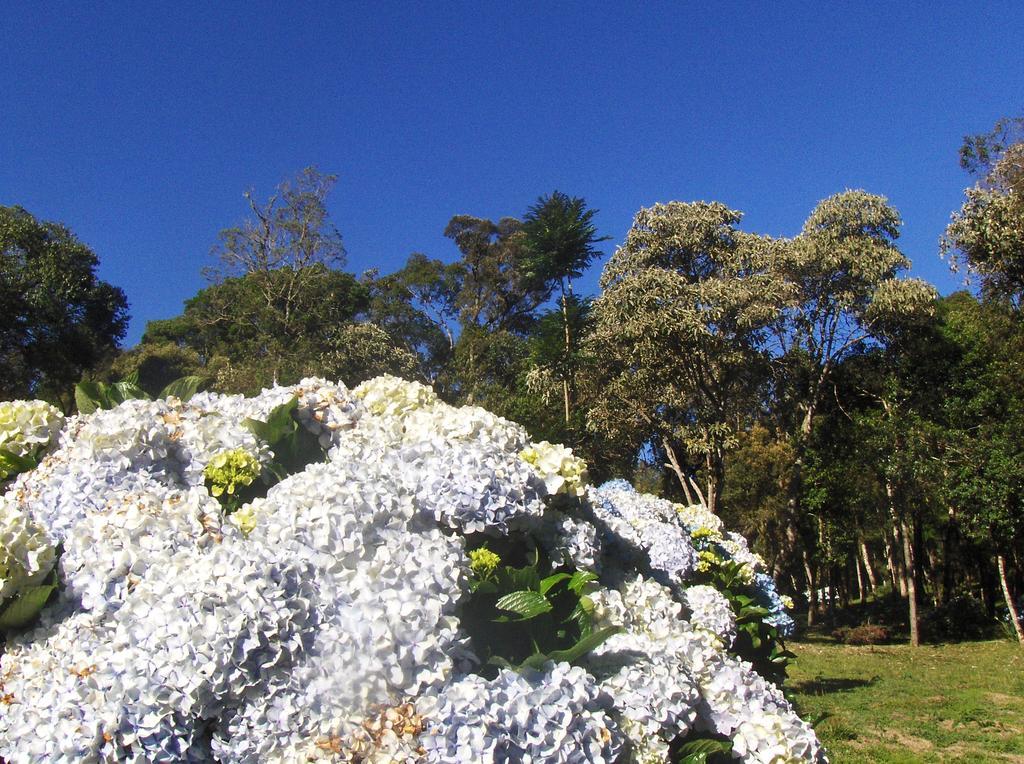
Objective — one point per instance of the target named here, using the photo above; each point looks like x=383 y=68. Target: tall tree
x=58 y=318
x=286 y=246
x=842 y=288
x=560 y=238
x=986 y=235
x=678 y=329
x=985 y=410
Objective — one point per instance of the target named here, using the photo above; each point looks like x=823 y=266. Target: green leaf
x=12 y=464
x=698 y=751
x=133 y=378
x=510 y=578
x=127 y=391
x=183 y=388
x=582 y=615
x=25 y=606
x=585 y=645
x=556 y=578
x=525 y=603
x=89 y=397
x=580 y=579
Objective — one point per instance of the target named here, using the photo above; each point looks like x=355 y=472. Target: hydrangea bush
x=227 y=594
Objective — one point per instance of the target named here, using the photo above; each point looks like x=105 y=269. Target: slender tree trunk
x=565 y=325
x=910 y=574
x=1010 y=605
x=891 y=564
x=681 y=476
x=866 y=557
x=812 y=586
x=861 y=593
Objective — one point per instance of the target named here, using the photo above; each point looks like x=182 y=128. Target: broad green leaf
x=25 y=606
x=525 y=603
x=13 y=464
x=126 y=391
x=698 y=751
x=585 y=645
x=555 y=578
x=580 y=579
x=132 y=379
x=89 y=397
x=519 y=578
x=183 y=388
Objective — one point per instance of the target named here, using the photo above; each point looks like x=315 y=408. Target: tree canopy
x=58 y=318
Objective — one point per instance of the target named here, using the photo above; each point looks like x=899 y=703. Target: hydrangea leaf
x=525 y=603
x=25 y=606
x=183 y=388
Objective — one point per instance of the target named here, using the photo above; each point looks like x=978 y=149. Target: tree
x=985 y=411
x=286 y=246
x=841 y=286
x=986 y=236
x=560 y=238
x=58 y=318
x=678 y=330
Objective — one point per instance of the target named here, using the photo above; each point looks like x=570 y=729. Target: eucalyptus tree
x=841 y=286
x=678 y=333
x=560 y=237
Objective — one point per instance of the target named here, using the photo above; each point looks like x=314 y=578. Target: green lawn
x=939 y=703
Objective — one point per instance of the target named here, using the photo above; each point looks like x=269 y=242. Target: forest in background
x=861 y=430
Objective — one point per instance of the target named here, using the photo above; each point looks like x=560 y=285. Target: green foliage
x=986 y=236
x=518 y=618
x=756 y=641
x=58 y=318
x=701 y=748
x=91 y=396
x=23 y=608
x=12 y=464
x=294 y=446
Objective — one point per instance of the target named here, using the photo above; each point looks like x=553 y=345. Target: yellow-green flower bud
x=483 y=562
x=228 y=470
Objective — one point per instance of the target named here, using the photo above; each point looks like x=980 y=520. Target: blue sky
x=140 y=125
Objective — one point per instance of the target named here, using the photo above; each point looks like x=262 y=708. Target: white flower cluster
x=555 y=715
x=321 y=622
x=26 y=555
x=27 y=425
x=646 y=527
x=558 y=468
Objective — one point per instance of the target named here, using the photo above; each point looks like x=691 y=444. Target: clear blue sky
x=140 y=125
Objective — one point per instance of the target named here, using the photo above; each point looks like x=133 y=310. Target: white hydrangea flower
x=710 y=611
x=554 y=715
x=736 y=547
x=558 y=468
x=644 y=526
x=26 y=556
x=27 y=425
x=389 y=396
x=322 y=621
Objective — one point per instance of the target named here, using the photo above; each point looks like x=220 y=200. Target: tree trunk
x=866 y=557
x=910 y=574
x=565 y=324
x=1010 y=605
x=681 y=476
x=812 y=587
x=891 y=564
x=861 y=594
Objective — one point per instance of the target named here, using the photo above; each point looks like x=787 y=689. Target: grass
x=959 y=702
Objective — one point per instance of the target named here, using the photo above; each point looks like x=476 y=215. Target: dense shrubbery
x=371 y=575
